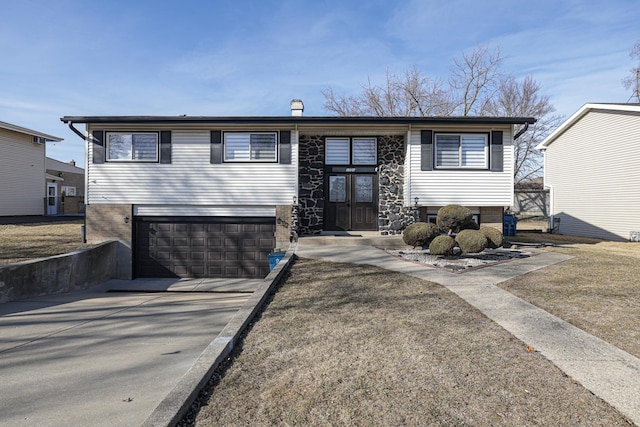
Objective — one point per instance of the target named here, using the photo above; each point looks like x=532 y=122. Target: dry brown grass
x=344 y=344
x=597 y=291
x=22 y=242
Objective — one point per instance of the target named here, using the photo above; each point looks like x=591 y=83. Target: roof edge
x=579 y=114
x=26 y=131
x=295 y=120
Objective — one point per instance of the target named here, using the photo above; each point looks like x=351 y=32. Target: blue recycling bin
x=274 y=259
x=509 y=225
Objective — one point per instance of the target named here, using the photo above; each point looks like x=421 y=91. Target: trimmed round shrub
x=419 y=234
x=494 y=237
x=442 y=245
x=453 y=218
x=471 y=241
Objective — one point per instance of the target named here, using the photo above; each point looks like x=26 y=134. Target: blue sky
x=210 y=57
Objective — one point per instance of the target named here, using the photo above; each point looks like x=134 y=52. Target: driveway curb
x=179 y=400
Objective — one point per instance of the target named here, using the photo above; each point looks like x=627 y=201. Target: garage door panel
x=197 y=242
x=207 y=249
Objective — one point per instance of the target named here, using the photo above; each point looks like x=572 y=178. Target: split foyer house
x=592 y=173
x=193 y=196
x=25 y=187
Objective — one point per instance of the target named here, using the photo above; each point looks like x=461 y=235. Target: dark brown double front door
x=351 y=201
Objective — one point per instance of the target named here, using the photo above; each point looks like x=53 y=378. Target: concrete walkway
x=605 y=370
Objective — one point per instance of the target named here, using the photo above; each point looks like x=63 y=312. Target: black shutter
x=98 y=146
x=165 y=146
x=497 y=151
x=216 y=147
x=285 y=147
x=426 y=150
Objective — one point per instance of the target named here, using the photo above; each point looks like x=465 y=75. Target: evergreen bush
x=494 y=237
x=471 y=241
x=419 y=234
x=442 y=245
x=453 y=218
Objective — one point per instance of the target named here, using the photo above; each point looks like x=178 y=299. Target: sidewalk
x=608 y=372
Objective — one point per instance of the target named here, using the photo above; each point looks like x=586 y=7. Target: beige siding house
x=592 y=172
x=23 y=185
x=70 y=185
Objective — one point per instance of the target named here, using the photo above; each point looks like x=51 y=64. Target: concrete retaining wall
x=74 y=271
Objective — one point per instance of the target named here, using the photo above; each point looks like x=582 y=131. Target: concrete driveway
x=107 y=358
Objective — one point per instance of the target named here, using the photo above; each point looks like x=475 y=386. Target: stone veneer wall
x=311 y=184
x=393 y=216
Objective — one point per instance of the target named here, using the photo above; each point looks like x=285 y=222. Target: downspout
x=521 y=131
x=86 y=179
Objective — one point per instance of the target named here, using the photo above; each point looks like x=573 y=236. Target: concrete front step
x=356 y=239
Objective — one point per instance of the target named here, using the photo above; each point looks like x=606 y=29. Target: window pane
x=448 y=147
x=337 y=189
x=237 y=146
x=119 y=146
x=263 y=146
x=145 y=146
x=337 y=151
x=364 y=189
x=364 y=151
x=473 y=151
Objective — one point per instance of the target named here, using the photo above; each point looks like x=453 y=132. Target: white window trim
x=326 y=155
x=461 y=134
x=351 y=156
x=66 y=188
x=224 y=147
x=375 y=151
x=132 y=160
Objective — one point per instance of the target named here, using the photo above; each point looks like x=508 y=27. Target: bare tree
x=475 y=78
x=633 y=80
x=407 y=95
x=476 y=86
x=523 y=98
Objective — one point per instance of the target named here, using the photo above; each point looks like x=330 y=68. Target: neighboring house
x=592 y=172
x=23 y=187
x=212 y=196
x=530 y=198
x=70 y=182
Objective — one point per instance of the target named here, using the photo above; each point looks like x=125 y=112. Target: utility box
x=509 y=225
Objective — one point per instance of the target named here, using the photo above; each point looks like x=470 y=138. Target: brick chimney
x=72 y=162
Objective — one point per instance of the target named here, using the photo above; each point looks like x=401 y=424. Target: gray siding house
x=591 y=170
x=200 y=196
x=23 y=184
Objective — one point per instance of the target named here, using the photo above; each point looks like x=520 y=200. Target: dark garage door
x=224 y=247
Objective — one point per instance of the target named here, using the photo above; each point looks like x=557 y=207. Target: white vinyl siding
x=467 y=187
x=592 y=170
x=22 y=174
x=191 y=180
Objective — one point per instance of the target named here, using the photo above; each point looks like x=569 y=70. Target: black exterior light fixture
x=126 y=220
x=417 y=199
